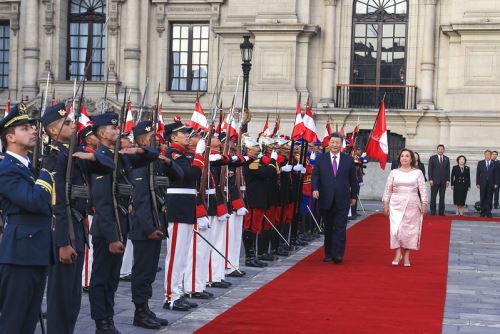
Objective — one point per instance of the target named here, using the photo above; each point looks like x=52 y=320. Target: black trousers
x=486 y=196
x=103 y=280
x=21 y=294
x=146 y=257
x=495 y=196
x=335 y=220
x=435 y=189
x=64 y=295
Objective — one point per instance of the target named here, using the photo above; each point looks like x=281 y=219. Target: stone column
x=328 y=63
x=132 y=51
x=427 y=65
x=31 y=51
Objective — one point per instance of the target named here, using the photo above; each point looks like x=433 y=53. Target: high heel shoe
x=395 y=263
x=407 y=264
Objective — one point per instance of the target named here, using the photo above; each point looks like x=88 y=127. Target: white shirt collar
x=22 y=159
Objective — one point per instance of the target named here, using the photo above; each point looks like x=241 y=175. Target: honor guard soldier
x=181 y=211
x=64 y=291
x=26 y=249
x=148 y=229
x=111 y=220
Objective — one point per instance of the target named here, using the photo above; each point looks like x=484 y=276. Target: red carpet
x=364 y=294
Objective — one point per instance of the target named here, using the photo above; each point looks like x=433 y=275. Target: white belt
x=243 y=188
x=210 y=192
x=181 y=191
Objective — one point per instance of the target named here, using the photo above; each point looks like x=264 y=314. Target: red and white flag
x=84 y=119
x=276 y=127
x=129 y=119
x=328 y=132
x=7 y=107
x=198 y=120
x=378 y=145
x=160 y=127
x=354 y=134
x=298 y=126
x=265 y=130
x=231 y=131
x=310 y=132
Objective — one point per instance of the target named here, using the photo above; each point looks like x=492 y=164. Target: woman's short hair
x=413 y=162
x=462 y=156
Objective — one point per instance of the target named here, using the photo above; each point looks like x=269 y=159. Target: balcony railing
x=369 y=96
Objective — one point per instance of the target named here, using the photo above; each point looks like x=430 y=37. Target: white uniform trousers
x=234 y=238
x=195 y=279
x=128 y=259
x=217 y=269
x=89 y=256
x=181 y=237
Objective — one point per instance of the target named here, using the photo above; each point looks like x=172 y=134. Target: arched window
x=379 y=44
x=86 y=39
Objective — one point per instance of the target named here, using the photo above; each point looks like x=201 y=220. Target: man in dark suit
x=494 y=156
x=439 y=178
x=334 y=184
x=487 y=182
x=26 y=249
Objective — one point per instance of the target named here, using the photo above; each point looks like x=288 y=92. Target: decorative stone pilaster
x=427 y=65
x=31 y=51
x=49 y=12
x=328 y=65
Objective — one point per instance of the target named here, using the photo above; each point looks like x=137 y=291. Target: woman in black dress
x=460 y=184
x=419 y=164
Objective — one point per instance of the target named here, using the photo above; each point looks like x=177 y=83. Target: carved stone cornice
x=160 y=18
x=14 y=16
x=49 y=12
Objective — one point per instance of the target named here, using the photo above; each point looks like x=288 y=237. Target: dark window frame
x=5 y=55
x=189 y=77
x=90 y=18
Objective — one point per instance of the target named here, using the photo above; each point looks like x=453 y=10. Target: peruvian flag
x=378 y=146
x=219 y=128
x=344 y=144
x=298 y=127
x=231 y=131
x=310 y=127
x=84 y=119
x=7 y=107
x=160 y=127
x=354 y=134
x=328 y=132
x=265 y=131
x=129 y=120
x=198 y=120
x=276 y=126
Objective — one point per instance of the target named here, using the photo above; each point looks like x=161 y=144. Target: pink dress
x=401 y=191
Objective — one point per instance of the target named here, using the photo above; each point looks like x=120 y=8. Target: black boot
x=103 y=326
x=143 y=319
x=161 y=321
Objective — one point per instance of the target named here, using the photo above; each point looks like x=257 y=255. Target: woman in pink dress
x=404 y=206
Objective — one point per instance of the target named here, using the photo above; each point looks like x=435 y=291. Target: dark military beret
x=142 y=128
x=54 y=113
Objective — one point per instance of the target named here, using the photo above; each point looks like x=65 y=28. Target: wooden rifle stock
x=152 y=172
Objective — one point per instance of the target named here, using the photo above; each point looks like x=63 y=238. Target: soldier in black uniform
x=109 y=231
x=64 y=284
x=148 y=229
x=181 y=211
x=26 y=249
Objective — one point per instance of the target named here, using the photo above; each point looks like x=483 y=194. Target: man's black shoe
x=253 y=263
x=112 y=324
x=327 y=259
x=219 y=285
x=103 y=326
x=337 y=260
x=266 y=257
x=489 y=215
x=235 y=273
x=143 y=319
x=126 y=278
x=283 y=252
x=161 y=321
x=189 y=303
x=199 y=295
x=178 y=305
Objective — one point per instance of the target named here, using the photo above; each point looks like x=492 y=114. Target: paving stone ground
x=472 y=304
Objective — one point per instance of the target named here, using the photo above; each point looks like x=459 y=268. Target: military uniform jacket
x=26 y=205
x=235 y=194
x=104 y=222
x=143 y=220
x=258 y=178
x=181 y=196
x=80 y=176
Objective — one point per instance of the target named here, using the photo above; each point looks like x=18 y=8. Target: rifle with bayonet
x=141 y=109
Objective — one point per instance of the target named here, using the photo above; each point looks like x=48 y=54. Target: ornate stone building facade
x=436 y=61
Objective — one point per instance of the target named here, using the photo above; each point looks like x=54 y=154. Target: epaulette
x=53 y=148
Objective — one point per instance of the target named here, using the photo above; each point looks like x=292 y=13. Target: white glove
x=246 y=158
x=298 y=168
x=224 y=217
x=274 y=155
x=214 y=157
x=203 y=223
x=286 y=168
x=313 y=156
x=363 y=155
x=234 y=158
x=241 y=211
x=200 y=147
x=303 y=170
x=260 y=155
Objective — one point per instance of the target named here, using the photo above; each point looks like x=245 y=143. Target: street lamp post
x=246 y=49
